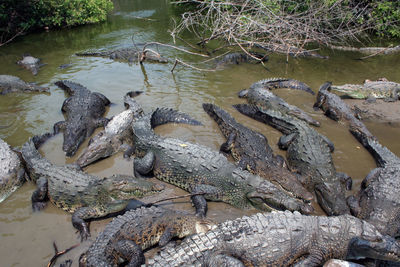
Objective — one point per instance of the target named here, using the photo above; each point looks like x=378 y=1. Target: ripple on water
x=7 y=123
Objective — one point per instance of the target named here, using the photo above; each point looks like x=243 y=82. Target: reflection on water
x=26 y=237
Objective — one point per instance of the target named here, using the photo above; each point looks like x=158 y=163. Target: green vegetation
x=17 y=17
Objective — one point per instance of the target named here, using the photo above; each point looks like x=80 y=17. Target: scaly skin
x=12 y=172
x=198 y=169
x=11 y=84
x=84 y=195
x=30 y=63
x=334 y=108
x=137 y=230
x=281 y=239
x=253 y=153
x=259 y=94
x=309 y=153
x=84 y=111
x=382 y=88
x=238 y=58
x=116 y=136
x=125 y=54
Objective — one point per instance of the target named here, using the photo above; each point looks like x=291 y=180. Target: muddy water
x=26 y=237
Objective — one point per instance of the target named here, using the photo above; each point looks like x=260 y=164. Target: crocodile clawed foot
x=37 y=206
x=85 y=234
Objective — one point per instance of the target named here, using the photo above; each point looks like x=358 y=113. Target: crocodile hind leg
x=129 y=250
x=222 y=260
x=144 y=165
x=39 y=196
x=199 y=201
x=59 y=126
x=345 y=179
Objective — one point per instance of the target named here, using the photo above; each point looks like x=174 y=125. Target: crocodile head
x=371 y=244
x=128 y=187
x=269 y=197
x=331 y=198
x=74 y=135
x=100 y=146
x=352 y=90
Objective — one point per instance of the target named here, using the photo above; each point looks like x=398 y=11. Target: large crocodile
x=200 y=170
x=259 y=94
x=281 y=239
x=334 y=108
x=116 y=136
x=309 y=153
x=84 y=111
x=30 y=63
x=84 y=195
x=137 y=230
x=126 y=54
x=11 y=84
x=382 y=88
x=12 y=171
x=253 y=153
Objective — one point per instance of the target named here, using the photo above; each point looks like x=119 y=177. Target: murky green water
x=26 y=237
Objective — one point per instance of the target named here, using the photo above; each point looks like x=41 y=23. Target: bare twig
x=59 y=253
x=188 y=65
x=174 y=47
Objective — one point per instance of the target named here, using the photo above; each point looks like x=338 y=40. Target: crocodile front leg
x=227 y=146
x=199 y=201
x=286 y=140
x=39 y=196
x=59 y=126
x=129 y=250
x=144 y=165
x=345 y=179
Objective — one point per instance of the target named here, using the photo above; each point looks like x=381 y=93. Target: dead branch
x=174 y=47
x=59 y=253
x=188 y=65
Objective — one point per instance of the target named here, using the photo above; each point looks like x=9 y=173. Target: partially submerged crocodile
x=125 y=54
x=116 y=136
x=309 y=153
x=253 y=153
x=84 y=195
x=281 y=239
x=84 y=111
x=12 y=171
x=334 y=107
x=128 y=235
x=30 y=63
x=382 y=88
x=259 y=94
x=11 y=84
x=200 y=170
x=240 y=57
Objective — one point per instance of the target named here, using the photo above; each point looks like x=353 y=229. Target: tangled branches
x=287 y=27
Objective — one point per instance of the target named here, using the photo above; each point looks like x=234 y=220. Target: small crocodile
x=125 y=54
x=309 y=153
x=334 y=108
x=382 y=88
x=253 y=153
x=12 y=171
x=259 y=94
x=281 y=239
x=30 y=63
x=116 y=136
x=11 y=84
x=137 y=230
x=200 y=170
x=84 y=195
x=84 y=111
x=239 y=57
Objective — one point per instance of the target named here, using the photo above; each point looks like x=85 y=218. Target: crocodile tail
x=277 y=83
x=221 y=117
x=166 y=115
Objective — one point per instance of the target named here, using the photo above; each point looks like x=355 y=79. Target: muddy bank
x=379 y=111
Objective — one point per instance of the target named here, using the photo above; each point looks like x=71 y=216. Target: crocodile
x=30 y=63
x=128 y=235
x=252 y=152
x=259 y=94
x=309 y=153
x=382 y=88
x=238 y=58
x=203 y=172
x=12 y=171
x=281 y=239
x=125 y=54
x=85 y=196
x=84 y=111
x=116 y=136
x=11 y=84
x=334 y=108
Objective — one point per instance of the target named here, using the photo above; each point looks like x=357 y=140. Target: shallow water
x=26 y=237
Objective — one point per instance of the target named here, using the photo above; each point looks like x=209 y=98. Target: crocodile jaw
x=100 y=146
